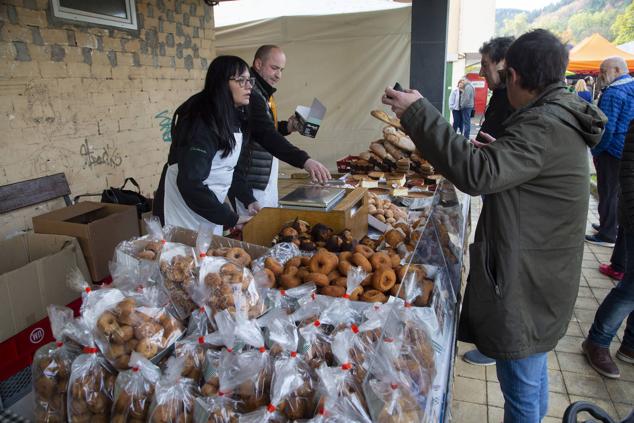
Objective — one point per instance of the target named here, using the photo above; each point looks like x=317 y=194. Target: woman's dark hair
x=214 y=104
x=496 y=48
x=540 y=59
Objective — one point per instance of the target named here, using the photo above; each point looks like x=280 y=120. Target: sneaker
x=475 y=357
x=609 y=271
x=625 y=354
x=600 y=360
x=597 y=240
x=596 y=227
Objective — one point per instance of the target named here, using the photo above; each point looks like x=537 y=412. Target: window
x=115 y=13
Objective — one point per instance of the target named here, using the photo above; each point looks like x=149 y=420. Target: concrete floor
x=476 y=392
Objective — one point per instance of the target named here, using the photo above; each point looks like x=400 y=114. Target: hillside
x=572 y=20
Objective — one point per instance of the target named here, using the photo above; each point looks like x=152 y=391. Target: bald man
x=267 y=141
x=617 y=102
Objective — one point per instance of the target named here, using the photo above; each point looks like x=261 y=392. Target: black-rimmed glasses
x=242 y=81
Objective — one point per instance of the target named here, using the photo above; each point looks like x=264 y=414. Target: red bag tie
x=201 y=339
x=283 y=292
x=59 y=344
x=393 y=385
x=316 y=323
x=135 y=369
x=354 y=328
x=230 y=350
x=270 y=408
x=294 y=354
x=262 y=349
x=346 y=366
x=346 y=296
x=90 y=350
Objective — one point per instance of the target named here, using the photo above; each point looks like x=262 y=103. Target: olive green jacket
x=526 y=258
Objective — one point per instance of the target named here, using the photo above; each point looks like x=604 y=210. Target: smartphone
x=397 y=87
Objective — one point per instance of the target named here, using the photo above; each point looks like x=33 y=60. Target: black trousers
x=608 y=187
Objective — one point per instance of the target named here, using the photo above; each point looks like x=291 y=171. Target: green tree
x=623 y=26
x=584 y=24
x=516 y=26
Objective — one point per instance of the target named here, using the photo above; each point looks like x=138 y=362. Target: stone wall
x=92 y=102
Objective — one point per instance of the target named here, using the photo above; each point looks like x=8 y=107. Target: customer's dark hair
x=214 y=104
x=540 y=59
x=263 y=52
x=496 y=48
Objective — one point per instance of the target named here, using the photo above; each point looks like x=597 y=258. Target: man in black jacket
x=268 y=143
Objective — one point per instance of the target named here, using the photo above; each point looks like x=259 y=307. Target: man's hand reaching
x=317 y=171
x=399 y=101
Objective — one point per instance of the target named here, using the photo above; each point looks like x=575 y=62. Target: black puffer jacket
x=626 y=179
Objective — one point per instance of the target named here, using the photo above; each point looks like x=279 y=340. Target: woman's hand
x=242 y=220
x=254 y=208
x=317 y=171
x=399 y=101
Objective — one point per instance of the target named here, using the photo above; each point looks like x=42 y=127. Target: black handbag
x=124 y=196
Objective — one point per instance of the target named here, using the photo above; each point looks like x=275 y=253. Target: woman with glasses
x=208 y=133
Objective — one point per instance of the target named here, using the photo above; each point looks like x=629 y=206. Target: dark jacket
x=617 y=102
x=526 y=258
x=497 y=112
x=193 y=148
x=266 y=140
x=626 y=181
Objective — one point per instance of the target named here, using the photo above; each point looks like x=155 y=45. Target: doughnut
x=345 y=255
x=379 y=260
x=125 y=307
x=290 y=270
x=107 y=323
x=154 y=246
x=342 y=282
x=270 y=276
x=45 y=387
x=346 y=246
x=346 y=235
x=361 y=261
x=373 y=296
x=395 y=259
x=394 y=291
x=369 y=242
x=295 y=261
x=354 y=295
x=289 y=281
x=147 y=330
x=363 y=250
x=344 y=266
x=368 y=280
x=122 y=361
x=302 y=272
x=307 y=245
x=333 y=291
x=273 y=265
x=425 y=298
x=334 y=243
x=288 y=234
x=394 y=237
x=147 y=348
x=146 y=255
x=321 y=232
x=383 y=279
x=416 y=269
x=123 y=335
x=213 y=280
x=305 y=260
x=319 y=279
x=239 y=256
x=323 y=262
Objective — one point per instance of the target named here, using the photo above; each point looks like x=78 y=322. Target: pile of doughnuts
x=385 y=210
x=91 y=391
x=127 y=327
x=51 y=372
x=328 y=271
x=310 y=238
x=178 y=275
x=235 y=254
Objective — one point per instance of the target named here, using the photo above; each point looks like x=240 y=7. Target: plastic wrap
x=174 y=395
x=338 y=404
x=91 y=383
x=224 y=277
x=211 y=379
x=51 y=369
x=201 y=319
x=192 y=350
x=134 y=390
x=341 y=311
x=281 y=252
x=289 y=299
x=246 y=377
x=177 y=264
x=216 y=410
x=281 y=332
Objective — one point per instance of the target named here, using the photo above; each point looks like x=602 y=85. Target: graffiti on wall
x=106 y=156
x=165 y=125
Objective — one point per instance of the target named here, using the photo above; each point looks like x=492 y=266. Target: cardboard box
x=99 y=227
x=33 y=271
x=309 y=119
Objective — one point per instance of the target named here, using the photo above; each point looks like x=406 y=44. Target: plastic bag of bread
x=245 y=376
x=216 y=410
x=289 y=299
x=288 y=389
x=51 y=369
x=134 y=390
x=226 y=278
x=178 y=265
x=391 y=394
x=211 y=381
x=174 y=395
x=280 y=332
x=415 y=288
x=201 y=320
x=91 y=382
x=340 y=310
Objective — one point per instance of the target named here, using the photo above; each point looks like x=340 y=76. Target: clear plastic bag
x=246 y=377
x=178 y=271
x=216 y=410
x=91 y=383
x=174 y=395
x=281 y=332
x=134 y=390
x=340 y=310
x=289 y=299
x=51 y=369
x=281 y=252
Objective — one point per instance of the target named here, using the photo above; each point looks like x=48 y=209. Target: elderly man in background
x=617 y=102
x=467 y=102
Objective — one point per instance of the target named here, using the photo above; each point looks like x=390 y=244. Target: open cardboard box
x=33 y=273
x=99 y=227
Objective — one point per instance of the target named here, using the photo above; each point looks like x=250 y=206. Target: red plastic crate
x=17 y=351
x=343 y=165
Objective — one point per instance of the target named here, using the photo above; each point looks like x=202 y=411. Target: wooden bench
x=34 y=191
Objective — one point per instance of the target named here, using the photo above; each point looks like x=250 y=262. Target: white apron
x=219 y=180
x=266 y=198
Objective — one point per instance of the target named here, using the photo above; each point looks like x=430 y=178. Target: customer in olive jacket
x=526 y=258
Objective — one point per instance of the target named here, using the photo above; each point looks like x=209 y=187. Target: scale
x=312 y=197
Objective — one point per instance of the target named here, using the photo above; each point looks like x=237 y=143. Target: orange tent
x=586 y=57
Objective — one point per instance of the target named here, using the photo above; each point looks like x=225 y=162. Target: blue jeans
x=617 y=305
x=466 y=121
x=457 y=120
x=524 y=384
